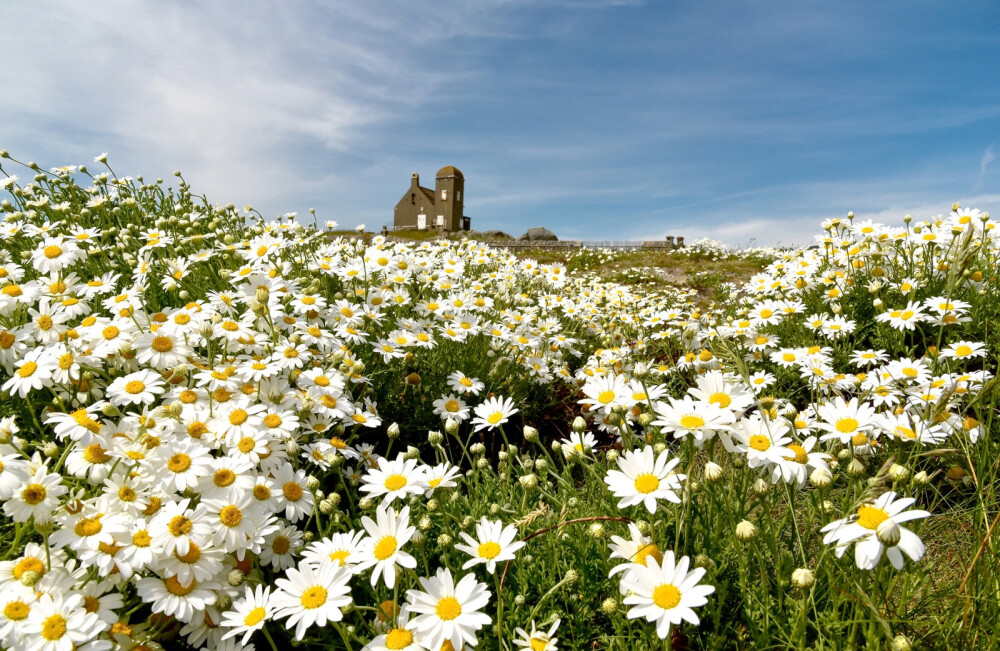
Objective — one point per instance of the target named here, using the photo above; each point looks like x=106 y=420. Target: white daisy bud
x=821 y=478
x=888 y=533
x=451 y=427
x=477 y=448
x=444 y=540
x=803 y=578
x=572 y=576
x=529 y=481
x=312 y=483
x=411 y=453
x=596 y=531
x=713 y=472
x=236 y=578
x=844 y=454
x=325 y=507
x=292 y=447
x=579 y=424
x=643 y=527
x=530 y=434
x=30 y=578
x=703 y=560
x=556 y=446
x=901 y=643
x=366 y=503
x=519 y=600
x=921 y=478
x=483 y=463
x=659 y=448
x=612 y=455
x=898 y=472
x=746 y=530
x=760 y=487
x=541 y=465
x=435 y=438
x=828 y=507
x=502 y=455
x=50 y=449
x=609 y=606
x=856 y=467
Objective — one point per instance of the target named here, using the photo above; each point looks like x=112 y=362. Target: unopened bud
x=393 y=431
x=236 y=578
x=609 y=606
x=746 y=530
x=898 y=472
x=803 y=578
x=530 y=434
x=529 y=481
x=451 y=426
x=579 y=424
x=821 y=478
x=921 y=478
x=888 y=533
x=435 y=438
x=713 y=472
x=856 y=467
x=50 y=449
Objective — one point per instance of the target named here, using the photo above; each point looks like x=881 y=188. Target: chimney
x=670 y=241
x=414 y=180
x=680 y=241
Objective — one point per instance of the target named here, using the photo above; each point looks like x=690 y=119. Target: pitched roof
x=427 y=193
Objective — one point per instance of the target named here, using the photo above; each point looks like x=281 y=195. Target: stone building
x=439 y=209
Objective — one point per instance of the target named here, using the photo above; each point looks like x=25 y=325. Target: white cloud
x=984 y=162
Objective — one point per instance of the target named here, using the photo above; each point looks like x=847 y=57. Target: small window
x=444 y=194
x=413 y=198
x=459 y=195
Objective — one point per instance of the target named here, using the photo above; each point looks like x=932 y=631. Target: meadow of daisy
x=222 y=432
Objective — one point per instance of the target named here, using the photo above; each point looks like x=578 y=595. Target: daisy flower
x=398 y=638
x=341 y=549
x=698 y=418
x=607 y=392
x=763 y=446
x=493 y=413
x=58 y=623
x=446 y=612
x=800 y=460
x=442 y=475
x=141 y=387
x=843 y=420
x=458 y=381
x=451 y=407
x=538 y=640
x=161 y=350
x=643 y=479
x=382 y=549
x=172 y=597
x=665 y=593
x=493 y=544
x=726 y=392
x=33 y=372
x=964 y=350
x=395 y=479
x=248 y=614
x=577 y=443
x=311 y=596
x=36 y=498
x=633 y=550
x=875 y=530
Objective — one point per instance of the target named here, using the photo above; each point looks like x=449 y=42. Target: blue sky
x=599 y=119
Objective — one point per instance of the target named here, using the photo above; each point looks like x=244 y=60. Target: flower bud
x=856 y=467
x=435 y=438
x=236 y=578
x=451 y=426
x=579 y=424
x=644 y=527
x=30 y=578
x=746 y=530
x=704 y=561
x=609 y=606
x=393 y=431
x=444 y=540
x=366 y=504
x=529 y=481
x=921 y=478
x=530 y=434
x=425 y=522
x=760 y=487
x=325 y=507
x=659 y=448
x=612 y=455
x=713 y=472
x=519 y=600
x=803 y=578
x=50 y=449
x=898 y=472
x=646 y=419
x=901 y=643
x=596 y=531
x=312 y=483
x=888 y=533
x=483 y=463
x=572 y=576
x=821 y=478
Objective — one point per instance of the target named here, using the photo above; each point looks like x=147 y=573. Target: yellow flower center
x=645 y=552
x=54 y=626
x=16 y=610
x=88 y=527
x=451 y=405
x=162 y=344
x=94 y=453
x=246 y=444
x=33 y=494
x=495 y=418
x=395 y=482
x=179 y=526
x=272 y=420
x=489 y=550
x=293 y=492
x=606 y=397
x=52 y=252
x=647 y=483
x=692 y=422
x=175 y=587
x=448 y=608
x=230 y=515
x=385 y=548
x=254 y=617
x=238 y=417
x=398 y=638
x=135 y=387
x=760 y=443
x=870 y=517
x=179 y=462
x=666 y=596
x=340 y=556
x=846 y=425
x=800 y=456
x=28 y=369
x=314 y=597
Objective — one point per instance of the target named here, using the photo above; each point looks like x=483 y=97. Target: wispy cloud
x=984 y=162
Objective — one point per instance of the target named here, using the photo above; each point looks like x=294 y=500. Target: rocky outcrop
x=496 y=235
x=539 y=234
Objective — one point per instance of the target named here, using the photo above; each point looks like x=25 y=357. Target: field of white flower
x=224 y=433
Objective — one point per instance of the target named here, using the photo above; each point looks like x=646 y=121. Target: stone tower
x=448 y=199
